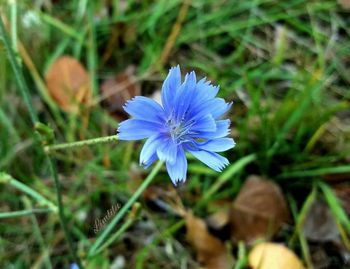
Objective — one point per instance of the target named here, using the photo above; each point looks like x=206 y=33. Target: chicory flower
x=189 y=119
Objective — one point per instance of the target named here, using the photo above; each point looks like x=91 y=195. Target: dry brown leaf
x=211 y=252
x=68 y=83
x=273 y=256
x=116 y=91
x=259 y=210
x=344 y=4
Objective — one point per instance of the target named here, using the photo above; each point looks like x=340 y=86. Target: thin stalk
x=65 y=28
x=92 y=56
x=8 y=124
x=14 y=24
x=299 y=220
x=38 y=234
x=8 y=179
x=317 y=172
x=22 y=86
x=63 y=219
x=129 y=221
x=38 y=80
x=116 y=235
x=142 y=254
x=82 y=143
x=103 y=236
x=227 y=175
x=26 y=212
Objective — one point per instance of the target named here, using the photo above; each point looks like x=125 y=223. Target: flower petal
x=134 y=129
x=218 y=111
x=178 y=170
x=170 y=86
x=215 y=107
x=167 y=151
x=207 y=90
x=204 y=92
x=217 y=145
x=150 y=148
x=151 y=160
x=204 y=124
x=222 y=130
x=144 y=108
x=184 y=96
x=211 y=159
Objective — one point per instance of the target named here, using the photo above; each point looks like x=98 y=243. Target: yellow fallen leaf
x=273 y=256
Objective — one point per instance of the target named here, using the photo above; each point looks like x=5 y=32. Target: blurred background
x=284 y=64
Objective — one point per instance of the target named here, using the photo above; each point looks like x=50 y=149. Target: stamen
x=179 y=130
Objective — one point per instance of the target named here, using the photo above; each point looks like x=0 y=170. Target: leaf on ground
x=119 y=89
x=259 y=210
x=344 y=4
x=273 y=256
x=68 y=83
x=319 y=224
x=211 y=252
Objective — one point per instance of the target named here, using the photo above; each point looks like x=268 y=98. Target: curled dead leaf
x=259 y=210
x=273 y=256
x=211 y=252
x=68 y=83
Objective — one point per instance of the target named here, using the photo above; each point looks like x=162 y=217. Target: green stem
x=120 y=231
x=14 y=24
x=93 y=141
x=7 y=179
x=102 y=237
x=63 y=219
x=18 y=74
x=24 y=90
x=227 y=175
x=130 y=219
x=316 y=172
x=65 y=28
x=37 y=233
x=92 y=58
x=142 y=254
x=21 y=213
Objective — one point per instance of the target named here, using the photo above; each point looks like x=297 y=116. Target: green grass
x=284 y=64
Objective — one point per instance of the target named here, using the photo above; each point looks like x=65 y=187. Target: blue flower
x=189 y=119
x=74 y=266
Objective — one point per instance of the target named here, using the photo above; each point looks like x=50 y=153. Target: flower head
x=189 y=119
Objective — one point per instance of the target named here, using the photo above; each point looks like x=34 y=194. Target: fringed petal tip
x=211 y=159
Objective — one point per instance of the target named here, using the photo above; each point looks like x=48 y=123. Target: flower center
x=179 y=130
